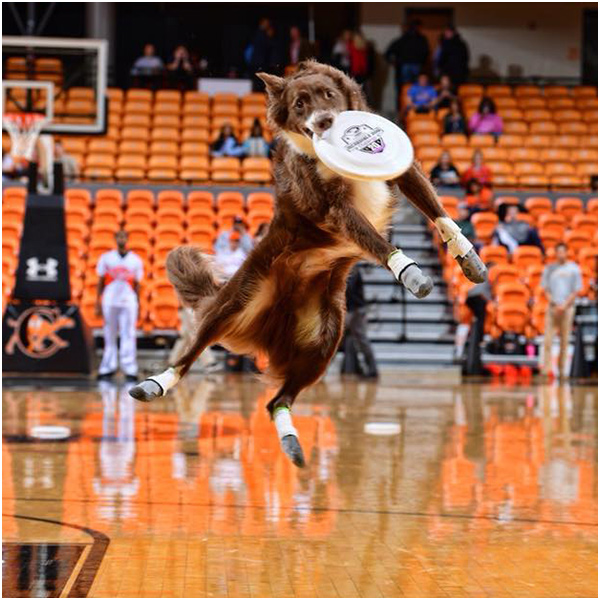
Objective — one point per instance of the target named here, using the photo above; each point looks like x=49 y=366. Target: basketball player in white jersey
x=120 y=272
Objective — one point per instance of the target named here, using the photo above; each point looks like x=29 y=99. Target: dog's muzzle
x=320 y=121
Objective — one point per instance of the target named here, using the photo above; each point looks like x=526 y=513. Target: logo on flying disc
x=364 y=138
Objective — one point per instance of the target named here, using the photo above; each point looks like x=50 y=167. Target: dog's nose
x=324 y=123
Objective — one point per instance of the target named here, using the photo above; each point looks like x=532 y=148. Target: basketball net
x=24 y=130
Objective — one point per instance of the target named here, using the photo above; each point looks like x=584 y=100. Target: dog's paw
x=472 y=266
x=291 y=446
x=146 y=391
x=416 y=282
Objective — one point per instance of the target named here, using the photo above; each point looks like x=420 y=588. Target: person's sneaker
x=106 y=376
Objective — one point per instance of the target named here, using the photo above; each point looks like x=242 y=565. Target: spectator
x=483 y=71
x=222 y=241
x=445 y=174
x=421 y=95
x=478 y=171
x=454 y=121
x=477 y=197
x=148 y=68
x=119 y=274
x=299 y=47
x=512 y=232
x=561 y=282
x=361 y=62
x=255 y=144
x=486 y=120
x=357 y=339
x=341 y=51
x=454 y=56
x=261 y=52
x=69 y=164
x=464 y=222
x=227 y=144
x=181 y=71
x=229 y=257
x=408 y=54
x=445 y=93
x=477 y=300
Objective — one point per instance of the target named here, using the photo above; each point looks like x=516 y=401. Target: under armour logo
x=42 y=271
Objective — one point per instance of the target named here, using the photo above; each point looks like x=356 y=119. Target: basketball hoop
x=24 y=129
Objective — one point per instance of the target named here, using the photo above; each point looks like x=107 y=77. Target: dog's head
x=308 y=101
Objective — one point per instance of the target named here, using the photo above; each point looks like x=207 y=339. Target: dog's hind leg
x=415 y=185
x=211 y=328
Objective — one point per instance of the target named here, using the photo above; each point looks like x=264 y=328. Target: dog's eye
x=329 y=94
x=299 y=104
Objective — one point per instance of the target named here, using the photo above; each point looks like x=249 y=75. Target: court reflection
x=439 y=486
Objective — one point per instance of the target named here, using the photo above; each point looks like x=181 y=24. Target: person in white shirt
x=230 y=258
x=120 y=272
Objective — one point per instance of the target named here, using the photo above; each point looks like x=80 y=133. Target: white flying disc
x=365 y=146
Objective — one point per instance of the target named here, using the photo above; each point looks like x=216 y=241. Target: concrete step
x=429 y=313
x=413 y=353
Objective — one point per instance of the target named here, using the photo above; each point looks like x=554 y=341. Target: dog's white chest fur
x=372 y=199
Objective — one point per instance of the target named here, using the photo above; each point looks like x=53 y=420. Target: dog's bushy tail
x=192 y=274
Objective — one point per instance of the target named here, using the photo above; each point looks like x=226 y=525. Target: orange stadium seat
x=560 y=103
x=140 y=198
x=131 y=167
x=170 y=199
x=538 y=205
x=484 y=224
x=230 y=200
x=543 y=128
x=511 y=141
x=225 y=169
x=565 y=141
x=511 y=317
x=495 y=153
x=194 y=135
x=592 y=206
x=263 y=200
x=524 y=256
x=194 y=149
x=201 y=236
x=162 y=168
x=256 y=170
x=168 y=234
x=588 y=257
x=200 y=198
x=587 y=223
x=496 y=254
x=576 y=239
x=169 y=215
x=452 y=140
x=573 y=127
x=514 y=292
x=201 y=215
x=568 y=207
x=194 y=168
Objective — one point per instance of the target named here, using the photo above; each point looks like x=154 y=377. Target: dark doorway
x=589 y=54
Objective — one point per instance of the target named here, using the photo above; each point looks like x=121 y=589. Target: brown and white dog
x=288 y=298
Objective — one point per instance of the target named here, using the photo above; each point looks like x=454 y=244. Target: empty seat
x=225 y=169
x=256 y=170
x=495 y=254
x=200 y=198
x=524 y=256
x=194 y=168
x=484 y=224
x=512 y=292
x=587 y=223
x=170 y=198
x=569 y=207
x=162 y=168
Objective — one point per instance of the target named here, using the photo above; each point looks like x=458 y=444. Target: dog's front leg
x=358 y=229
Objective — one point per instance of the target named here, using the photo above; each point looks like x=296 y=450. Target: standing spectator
x=421 y=95
x=445 y=174
x=341 y=51
x=408 y=54
x=222 y=241
x=229 y=258
x=148 y=68
x=486 y=120
x=357 y=339
x=478 y=171
x=299 y=48
x=227 y=144
x=454 y=56
x=561 y=282
x=446 y=93
x=261 y=51
x=511 y=232
x=181 y=71
x=120 y=272
x=359 y=57
x=454 y=121
x=69 y=164
x=255 y=144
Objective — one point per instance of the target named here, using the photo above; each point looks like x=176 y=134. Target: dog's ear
x=275 y=85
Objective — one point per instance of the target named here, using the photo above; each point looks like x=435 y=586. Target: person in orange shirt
x=478 y=171
x=477 y=196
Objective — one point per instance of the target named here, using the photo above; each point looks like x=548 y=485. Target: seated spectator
x=246 y=243
x=230 y=257
x=148 y=65
x=421 y=95
x=181 y=71
x=478 y=171
x=255 y=144
x=227 y=144
x=486 y=120
x=445 y=174
x=446 y=93
x=464 y=222
x=454 y=121
x=478 y=197
x=69 y=164
x=511 y=232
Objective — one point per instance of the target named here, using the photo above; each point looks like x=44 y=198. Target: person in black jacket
x=408 y=54
x=357 y=339
x=454 y=56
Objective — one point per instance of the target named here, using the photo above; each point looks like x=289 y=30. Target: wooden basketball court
x=415 y=486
